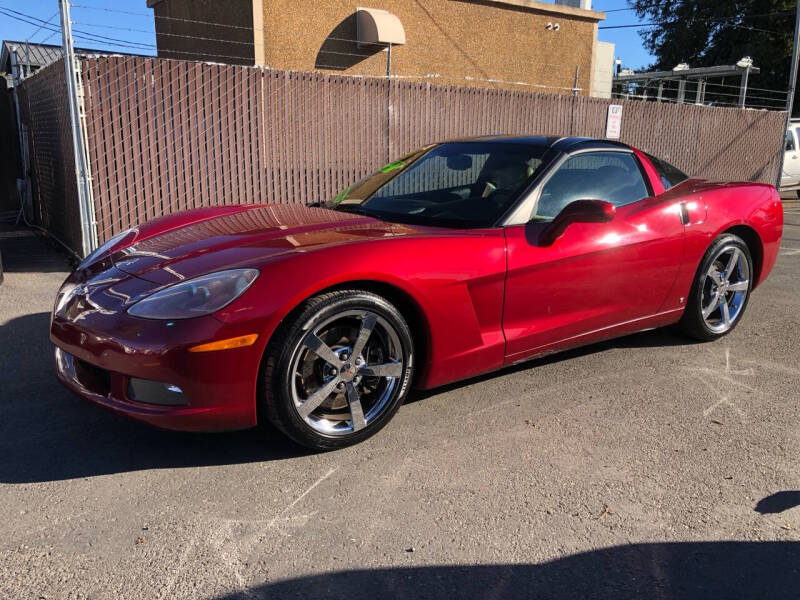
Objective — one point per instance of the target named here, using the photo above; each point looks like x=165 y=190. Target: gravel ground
x=649 y=466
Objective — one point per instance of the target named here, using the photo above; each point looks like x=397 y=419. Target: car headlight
x=108 y=245
x=195 y=297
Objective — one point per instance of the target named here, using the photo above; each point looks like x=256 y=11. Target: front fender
x=456 y=280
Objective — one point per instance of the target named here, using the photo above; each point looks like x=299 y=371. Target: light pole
x=82 y=170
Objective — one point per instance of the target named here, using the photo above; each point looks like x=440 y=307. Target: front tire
x=720 y=291
x=339 y=370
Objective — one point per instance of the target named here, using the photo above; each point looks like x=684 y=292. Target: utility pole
x=792 y=84
x=16 y=73
x=82 y=171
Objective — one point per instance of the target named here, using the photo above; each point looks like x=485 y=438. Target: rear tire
x=338 y=371
x=720 y=291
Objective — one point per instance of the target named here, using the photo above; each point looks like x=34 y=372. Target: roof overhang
x=378 y=26
x=695 y=73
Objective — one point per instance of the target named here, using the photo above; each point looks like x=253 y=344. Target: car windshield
x=456 y=184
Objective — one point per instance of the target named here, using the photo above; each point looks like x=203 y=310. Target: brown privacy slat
x=166 y=135
x=154 y=174
x=118 y=207
x=282 y=157
x=175 y=149
x=264 y=172
x=224 y=169
x=198 y=147
x=102 y=148
x=127 y=152
x=213 y=131
x=193 y=127
x=232 y=172
x=180 y=109
x=235 y=112
x=271 y=132
x=140 y=170
x=159 y=132
x=143 y=173
x=249 y=152
x=163 y=135
x=296 y=115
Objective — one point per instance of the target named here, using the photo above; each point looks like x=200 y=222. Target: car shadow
x=686 y=571
x=47 y=433
x=654 y=338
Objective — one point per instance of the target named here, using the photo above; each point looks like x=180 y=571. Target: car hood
x=245 y=238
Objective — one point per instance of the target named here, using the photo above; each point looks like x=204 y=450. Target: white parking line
x=789 y=251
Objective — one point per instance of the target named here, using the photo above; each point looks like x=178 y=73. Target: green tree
x=704 y=33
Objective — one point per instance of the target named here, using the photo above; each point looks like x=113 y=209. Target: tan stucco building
x=506 y=43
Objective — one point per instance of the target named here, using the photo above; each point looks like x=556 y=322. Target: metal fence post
x=743 y=87
x=575 y=83
x=78 y=122
x=15 y=71
x=790 y=95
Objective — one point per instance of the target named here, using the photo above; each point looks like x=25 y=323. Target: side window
x=670 y=176
x=611 y=176
x=789 y=144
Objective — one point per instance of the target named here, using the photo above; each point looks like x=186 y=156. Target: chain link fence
x=52 y=198
x=169 y=135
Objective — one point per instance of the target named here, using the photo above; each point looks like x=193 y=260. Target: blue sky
x=135 y=25
x=629 y=44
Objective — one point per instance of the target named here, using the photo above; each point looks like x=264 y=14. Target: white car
x=790 y=177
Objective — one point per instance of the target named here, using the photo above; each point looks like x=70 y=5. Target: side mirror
x=580 y=211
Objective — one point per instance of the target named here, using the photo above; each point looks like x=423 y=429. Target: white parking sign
x=614 y=122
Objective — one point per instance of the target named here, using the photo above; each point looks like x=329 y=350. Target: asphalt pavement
x=645 y=467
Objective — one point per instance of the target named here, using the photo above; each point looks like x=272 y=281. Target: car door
x=791 y=160
x=596 y=275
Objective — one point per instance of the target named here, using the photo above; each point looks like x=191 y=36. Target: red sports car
x=457 y=259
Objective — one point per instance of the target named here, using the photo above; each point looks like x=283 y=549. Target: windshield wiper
x=357 y=209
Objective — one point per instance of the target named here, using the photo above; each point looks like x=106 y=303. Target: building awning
x=377 y=26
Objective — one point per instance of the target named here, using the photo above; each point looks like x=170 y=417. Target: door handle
x=684 y=213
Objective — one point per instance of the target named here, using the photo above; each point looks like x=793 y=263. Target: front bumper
x=99 y=351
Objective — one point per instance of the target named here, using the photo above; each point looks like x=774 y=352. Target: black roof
x=39 y=55
x=560 y=144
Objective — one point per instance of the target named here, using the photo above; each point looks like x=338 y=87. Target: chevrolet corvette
x=457 y=259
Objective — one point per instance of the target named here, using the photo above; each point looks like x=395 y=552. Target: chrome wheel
x=344 y=372
x=725 y=289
